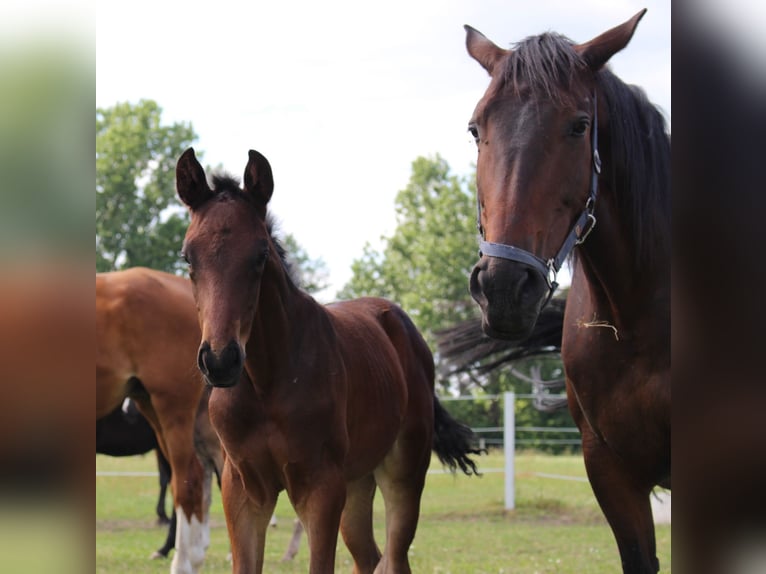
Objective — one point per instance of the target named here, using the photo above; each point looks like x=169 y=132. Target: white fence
x=510 y=440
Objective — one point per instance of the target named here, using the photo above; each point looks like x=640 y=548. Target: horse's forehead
x=224 y=217
x=507 y=92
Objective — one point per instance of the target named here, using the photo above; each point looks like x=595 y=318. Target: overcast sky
x=341 y=97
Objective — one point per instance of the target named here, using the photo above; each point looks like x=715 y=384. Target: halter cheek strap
x=580 y=230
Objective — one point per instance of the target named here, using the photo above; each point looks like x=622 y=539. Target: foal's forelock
x=227 y=188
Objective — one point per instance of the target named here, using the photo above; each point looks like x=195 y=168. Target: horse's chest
x=616 y=398
x=266 y=432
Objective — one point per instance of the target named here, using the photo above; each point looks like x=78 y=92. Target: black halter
x=577 y=235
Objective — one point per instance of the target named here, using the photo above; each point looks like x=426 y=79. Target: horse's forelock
x=549 y=66
x=223 y=183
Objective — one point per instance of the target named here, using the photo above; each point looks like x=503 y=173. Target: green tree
x=312 y=273
x=138 y=219
x=424 y=266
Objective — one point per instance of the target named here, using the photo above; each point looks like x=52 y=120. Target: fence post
x=509 y=445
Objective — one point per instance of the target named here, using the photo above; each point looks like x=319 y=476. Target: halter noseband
x=577 y=235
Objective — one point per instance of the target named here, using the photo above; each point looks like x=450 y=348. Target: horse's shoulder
x=139 y=287
x=362 y=309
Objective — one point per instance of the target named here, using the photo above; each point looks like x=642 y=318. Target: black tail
x=465 y=348
x=452 y=442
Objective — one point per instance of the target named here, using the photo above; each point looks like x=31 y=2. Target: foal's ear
x=259 y=182
x=598 y=51
x=191 y=182
x=482 y=49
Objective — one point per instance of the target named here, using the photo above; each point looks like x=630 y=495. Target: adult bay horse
x=125 y=432
x=325 y=402
x=570 y=156
x=147 y=334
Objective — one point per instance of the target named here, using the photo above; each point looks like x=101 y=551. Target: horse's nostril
x=204 y=350
x=231 y=356
x=221 y=369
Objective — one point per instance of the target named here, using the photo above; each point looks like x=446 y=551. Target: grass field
x=556 y=527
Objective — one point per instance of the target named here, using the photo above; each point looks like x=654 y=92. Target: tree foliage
x=135 y=187
x=425 y=264
x=312 y=273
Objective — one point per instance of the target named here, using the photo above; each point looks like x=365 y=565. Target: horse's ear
x=191 y=182
x=598 y=51
x=259 y=182
x=483 y=50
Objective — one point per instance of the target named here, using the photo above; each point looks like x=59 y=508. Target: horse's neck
x=270 y=347
x=617 y=288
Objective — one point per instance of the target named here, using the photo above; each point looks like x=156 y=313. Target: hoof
x=157 y=555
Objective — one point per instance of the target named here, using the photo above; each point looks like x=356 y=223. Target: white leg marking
x=192 y=540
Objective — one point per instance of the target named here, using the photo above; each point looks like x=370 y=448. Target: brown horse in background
x=570 y=156
x=324 y=402
x=147 y=334
x=126 y=432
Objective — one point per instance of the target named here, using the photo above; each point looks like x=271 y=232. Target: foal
x=324 y=402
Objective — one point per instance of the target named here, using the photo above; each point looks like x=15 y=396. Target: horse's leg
x=625 y=504
x=170 y=541
x=247 y=521
x=165 y=473
x=295 y=541
x=401 y=478
x=319 y=504
x=356 y=524
x=174 y=426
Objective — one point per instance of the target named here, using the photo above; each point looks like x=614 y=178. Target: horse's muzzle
x=510 y=295
x=221 y=369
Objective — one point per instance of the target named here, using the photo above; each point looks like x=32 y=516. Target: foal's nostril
x=231 y=358
x=221 y=369
x=204 y=350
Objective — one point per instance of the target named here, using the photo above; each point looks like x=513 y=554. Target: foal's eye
x=580 y=126
x=260 y=256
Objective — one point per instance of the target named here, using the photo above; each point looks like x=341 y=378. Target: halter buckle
x=590 y=223
x=552 y=273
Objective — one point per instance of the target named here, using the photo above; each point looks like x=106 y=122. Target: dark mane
x=639 y=150
x=639 y=146
x=226 y=186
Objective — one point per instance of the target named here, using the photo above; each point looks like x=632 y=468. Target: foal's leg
x=247 y=521
x=318 y=495
x=401 y=478
x=356 y=525
x=625 y=504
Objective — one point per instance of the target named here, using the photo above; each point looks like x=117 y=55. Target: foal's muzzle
x=510 y=295
x=221 y=369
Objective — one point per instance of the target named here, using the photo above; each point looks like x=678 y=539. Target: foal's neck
x=270 y=347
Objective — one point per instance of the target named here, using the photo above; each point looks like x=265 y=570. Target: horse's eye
x=580 y=126
x=183 y=256
x=474 y=131
x=260 y=256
